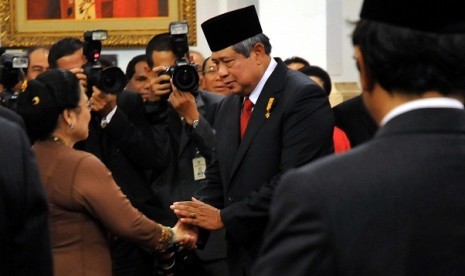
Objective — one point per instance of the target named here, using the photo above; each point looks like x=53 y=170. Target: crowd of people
x=238 y=176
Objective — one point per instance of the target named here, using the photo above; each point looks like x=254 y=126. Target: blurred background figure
x=321 y=77
x=353 y=118
x=25 y=247
x=197 y=58
x=139 y=74
x=296 y=63
x=38 y=62
x=211 y=80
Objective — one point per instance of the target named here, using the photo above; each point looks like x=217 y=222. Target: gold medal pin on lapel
x=268 y=107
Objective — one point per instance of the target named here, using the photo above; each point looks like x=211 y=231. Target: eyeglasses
x=211 y=69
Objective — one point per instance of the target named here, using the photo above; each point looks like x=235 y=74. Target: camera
x=11 y=73
x=184 y=74
x=111 y=79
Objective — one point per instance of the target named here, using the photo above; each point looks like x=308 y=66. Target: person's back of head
x=296 y=63
x=45 y=98
x=159 y=43
x=62 y=48
x=319 y=73
x=409 y=53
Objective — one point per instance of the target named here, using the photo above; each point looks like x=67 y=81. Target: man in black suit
x=121 y=136
x=291 y=124
x=353 y=118
x=24 y=233
x=187 y=118
x=393 y=205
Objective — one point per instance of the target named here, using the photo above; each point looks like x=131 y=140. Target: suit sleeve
x=307 y=130
x=96 y=190
x=296 y=241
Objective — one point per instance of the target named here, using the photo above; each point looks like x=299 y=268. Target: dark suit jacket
x=403 y=214
x=299 y=130
x=24 y=232
x=176 y=183
x=12 y=116
x=353 y=118
x=129 y=148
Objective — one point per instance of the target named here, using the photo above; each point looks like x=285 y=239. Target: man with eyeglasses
x=211 y=80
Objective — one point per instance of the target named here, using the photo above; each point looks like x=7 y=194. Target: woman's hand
x=185 y=235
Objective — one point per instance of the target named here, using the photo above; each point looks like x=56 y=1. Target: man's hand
x=102 y=102
x=185 y=234
x=159 y=85
x=79 y=72
x=185 y=105
x=197 y=213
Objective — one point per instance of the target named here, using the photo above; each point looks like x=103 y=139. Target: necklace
x=57 y=140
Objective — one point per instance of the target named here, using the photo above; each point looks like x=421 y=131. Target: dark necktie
x=245 y=116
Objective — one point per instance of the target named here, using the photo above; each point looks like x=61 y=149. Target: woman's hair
x=44 y=99
x=411 y=61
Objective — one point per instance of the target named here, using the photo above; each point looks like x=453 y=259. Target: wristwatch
x=195 y=123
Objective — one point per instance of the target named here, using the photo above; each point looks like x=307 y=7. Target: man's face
x=75 y=60
x=38 y=63
x=163 y=58
x=211 y=81
x=240 y=74
x=140 y=81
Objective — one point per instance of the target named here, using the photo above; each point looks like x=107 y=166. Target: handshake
x=191 y=214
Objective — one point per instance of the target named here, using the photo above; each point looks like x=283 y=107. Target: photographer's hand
x=102 y=102
x=160 y=85
x=79 y=72
x=184 y=103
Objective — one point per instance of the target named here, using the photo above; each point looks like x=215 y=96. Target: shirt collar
x=253 y=97
x=422 y=103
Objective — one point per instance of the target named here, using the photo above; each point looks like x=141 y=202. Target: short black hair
x=63 y=47
x=33 y=49
x=160 y=42
x=131 y=68
x=409 y=61
x=319 y=73
x=296 y=59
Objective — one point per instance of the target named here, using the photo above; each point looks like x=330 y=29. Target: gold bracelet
x=166 y=239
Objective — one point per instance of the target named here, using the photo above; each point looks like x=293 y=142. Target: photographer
x=121 y=137
x=187 y=116
x=11 y=78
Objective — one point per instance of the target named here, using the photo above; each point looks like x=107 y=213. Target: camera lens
x=185 y=78
x=112 y=80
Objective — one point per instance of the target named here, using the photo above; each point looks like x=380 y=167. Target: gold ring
x=193 y=216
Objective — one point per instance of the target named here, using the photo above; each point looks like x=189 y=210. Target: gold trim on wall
x=17 y=31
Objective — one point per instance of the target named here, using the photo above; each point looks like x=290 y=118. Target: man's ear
x=366 y=79
x=258 y=52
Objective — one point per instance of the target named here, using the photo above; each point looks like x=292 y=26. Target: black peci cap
x=444 y=16
x=232 y=27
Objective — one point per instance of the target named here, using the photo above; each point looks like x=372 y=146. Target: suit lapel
x=273 y=87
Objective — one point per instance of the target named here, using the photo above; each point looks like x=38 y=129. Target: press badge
x=199 y=165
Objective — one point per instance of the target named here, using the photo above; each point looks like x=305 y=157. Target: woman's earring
x=71 y=126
